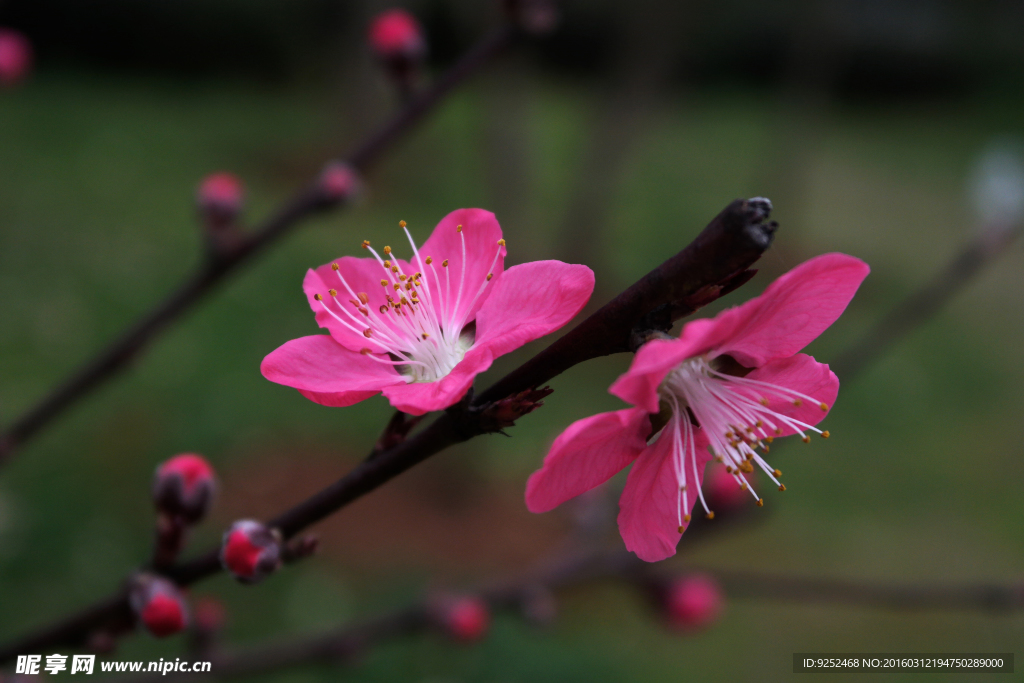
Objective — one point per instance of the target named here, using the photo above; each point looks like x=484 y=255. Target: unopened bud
x=465 y=619
x=251 y=551
x=15 y=56
x=396 y=35
x=339 y=181
x=158 y=605
x=693 y=602
x=184 y=487
x=220 y=198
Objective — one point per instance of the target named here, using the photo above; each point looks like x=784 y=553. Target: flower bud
x=339 y=181
x=15 y=56
x=251 y=551
x=184 y=487
x=692 y=602
x=158 y=605
x=220 y=197
x=396 y=36
x=465 y=619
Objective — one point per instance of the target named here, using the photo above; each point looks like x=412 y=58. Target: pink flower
x=419 y=331
x=15 y=56
x=396 y=34
x=693 y=602
x=724 y=389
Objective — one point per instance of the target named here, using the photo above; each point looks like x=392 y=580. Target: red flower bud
x=15 y=56
x=158 y=605
x=220 y=197
x=251 y=551
x=466 y=619
x=396 y=35
x=339 y=181
x=184 y=487
x=693 y=602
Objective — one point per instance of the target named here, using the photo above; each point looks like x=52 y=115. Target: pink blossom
x=222 y=192
x=693 y=602
x=15 y=56
x=396 y=34
x=724 y=389
x=420 y=330
x=466 y=619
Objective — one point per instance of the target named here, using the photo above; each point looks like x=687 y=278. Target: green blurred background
x=611 y=143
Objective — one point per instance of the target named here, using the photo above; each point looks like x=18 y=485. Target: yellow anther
x=769 y=439
x=394 y=269
x=387 y=264
x=764 y=401
x=782 y=487
x=778 y=432
x=383 y=283
x=318 y=297
x=430 y=260
x=364 y=297
x=332 y=292
x=387 y=250
x=424 y=335
x=366 y=244
x=825 y=434
x=397 y=286
x=383 y=308
x=403 y=277
x=458 y=228
x=401 y=224
x=444 y=264
x=501 y=242
x=777 y=473
x=334 y=266
x=687 y=518
x=760 y=502
x=798 y=402
x=365 y=351
x=367 y=332
x=759 y=424
x=682 y=529
x=806 y=439
x=744 y=486
x=489 y=276
x=711 y=514
x=823 y=405
x=405 y=302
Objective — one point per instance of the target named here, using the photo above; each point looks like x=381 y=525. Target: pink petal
x=530 y=301
x=648 y=508
x=418 y=398
x=482 y=232
x=654 y=360
x=363 y=275
x=806 y=375
x=326 y=372
x=587 y=454
x=792 y=311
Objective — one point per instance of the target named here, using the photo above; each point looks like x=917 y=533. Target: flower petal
x=804 y=374
x=653 y=360
x=587 y=454
x=326 y=372
x=481 y=232
x=648 y=508
x=363 y=275
x=792 y=311
x=418 y=398
x=531 y=300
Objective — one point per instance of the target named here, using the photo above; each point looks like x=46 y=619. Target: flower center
x=735 y=416
x=419 y=324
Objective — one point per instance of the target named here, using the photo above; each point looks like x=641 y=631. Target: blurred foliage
x=97 y=171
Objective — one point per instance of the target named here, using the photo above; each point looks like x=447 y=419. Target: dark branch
x=729 y=245
x=308 y=201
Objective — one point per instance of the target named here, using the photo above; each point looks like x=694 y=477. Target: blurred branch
x=728 y=246
x=348 y=643
x=306 y=202
x=921 y=305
